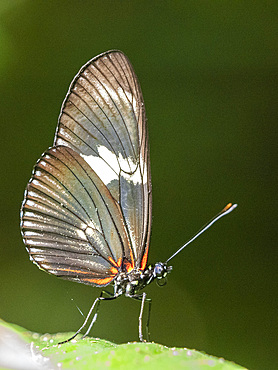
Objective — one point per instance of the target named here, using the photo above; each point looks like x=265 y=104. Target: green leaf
x=91 y=353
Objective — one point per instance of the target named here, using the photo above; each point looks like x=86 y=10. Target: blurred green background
x=208 y=71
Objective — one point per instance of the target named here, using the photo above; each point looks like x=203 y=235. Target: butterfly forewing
x=103 y=119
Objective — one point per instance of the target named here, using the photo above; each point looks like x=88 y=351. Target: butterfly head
x=160 y=272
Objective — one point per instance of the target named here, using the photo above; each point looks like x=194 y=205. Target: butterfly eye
x=160 y=270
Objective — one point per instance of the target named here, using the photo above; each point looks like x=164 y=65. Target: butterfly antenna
x=229 y=208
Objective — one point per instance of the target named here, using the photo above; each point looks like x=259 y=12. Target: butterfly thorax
x=131 y=283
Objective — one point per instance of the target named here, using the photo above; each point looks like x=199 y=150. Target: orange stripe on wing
x=114 y=270
x=132 y=258
x=75 y=271
x=116 y=264
x=98 y=281
x=144 y=259
x=119 y=262
x=102 y=281
x=112 y=261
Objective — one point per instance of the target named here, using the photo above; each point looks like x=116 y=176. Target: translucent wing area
x=71 y=225
x=103 y=119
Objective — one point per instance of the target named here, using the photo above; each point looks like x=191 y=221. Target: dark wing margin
x=71 y=225
x=103 y=119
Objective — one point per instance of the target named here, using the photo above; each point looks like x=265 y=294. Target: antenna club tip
x=229 y=207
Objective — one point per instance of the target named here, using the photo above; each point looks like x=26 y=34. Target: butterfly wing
x=103 y=119
x=71 y=225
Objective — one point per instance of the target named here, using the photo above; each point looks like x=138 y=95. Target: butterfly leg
x=149 y=300
x=95 y=304
x=143 y=298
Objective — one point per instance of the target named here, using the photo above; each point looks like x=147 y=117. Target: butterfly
x=87 y=209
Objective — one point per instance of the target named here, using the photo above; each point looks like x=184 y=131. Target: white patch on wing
x=100 y=166
x=135 y=177
x=127 y=164
x=109 y=157
x=81 y=234
x=89 y=231
x=139 y=176
x=108 y=173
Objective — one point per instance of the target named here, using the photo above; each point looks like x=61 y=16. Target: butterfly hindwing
x=71 y=224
